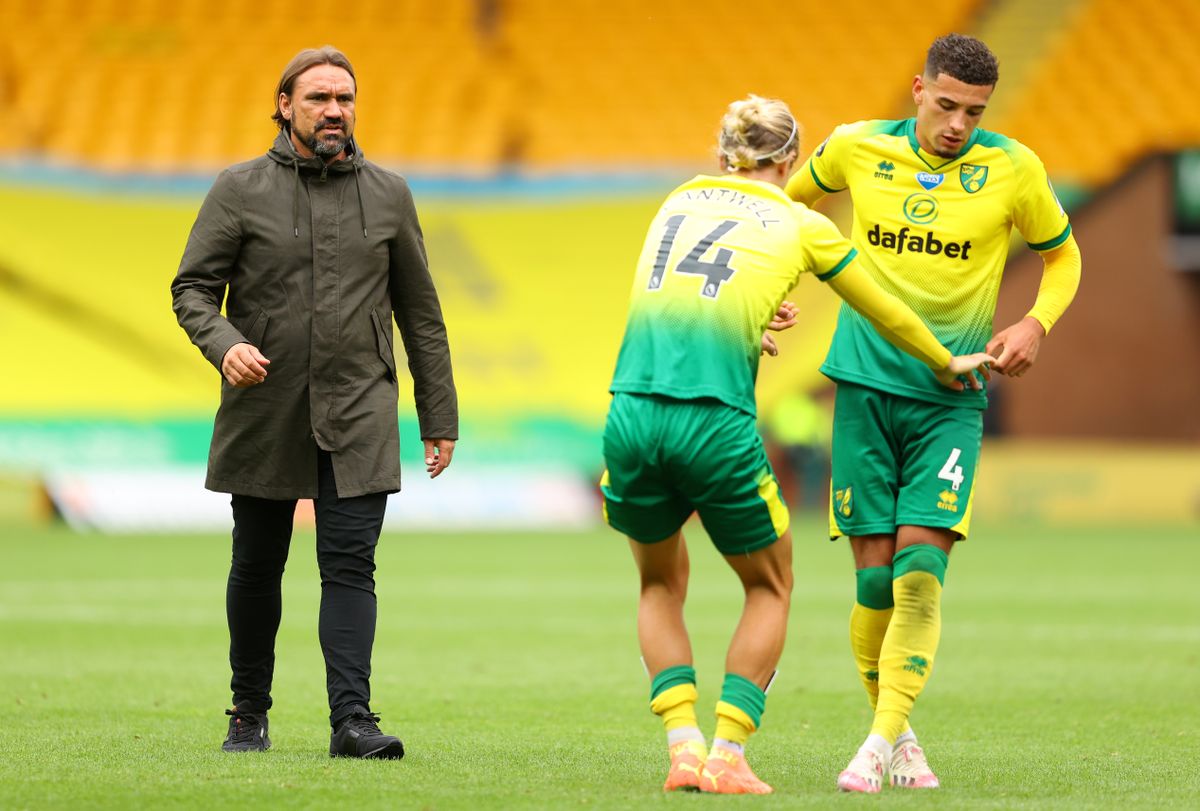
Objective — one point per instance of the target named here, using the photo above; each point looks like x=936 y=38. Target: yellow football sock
x=867 y=629
x=911 y=641
x=676 y=707
x=733 y=724
x=740 y=709
x=868 y=623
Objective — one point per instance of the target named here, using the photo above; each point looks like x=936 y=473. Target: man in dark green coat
x=313 y=250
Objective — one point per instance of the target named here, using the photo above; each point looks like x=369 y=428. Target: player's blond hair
x=757 y=132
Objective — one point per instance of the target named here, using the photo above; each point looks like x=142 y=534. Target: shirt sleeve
x=1060 y=280
x=823 y=251
x=824 y=172
x=1037 y=213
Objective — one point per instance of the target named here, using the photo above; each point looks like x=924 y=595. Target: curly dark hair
x=963 y=58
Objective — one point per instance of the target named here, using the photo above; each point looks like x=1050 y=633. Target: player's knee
x=921 y=557
x=774 y=583
x=672 y=582
x=873 y=587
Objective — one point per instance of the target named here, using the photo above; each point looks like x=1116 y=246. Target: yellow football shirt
x=720 y=256
x=935 y=233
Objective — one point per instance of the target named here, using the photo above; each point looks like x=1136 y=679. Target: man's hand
x=438 y=453
x=768 y=345
x=785 y=318
x=1016 y=347
x=966 y=365
x=243 y=365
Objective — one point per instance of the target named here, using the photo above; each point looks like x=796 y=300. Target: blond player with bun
x=680 y=437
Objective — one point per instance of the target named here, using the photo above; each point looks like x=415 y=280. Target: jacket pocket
x=257 y=329
x=383 y=340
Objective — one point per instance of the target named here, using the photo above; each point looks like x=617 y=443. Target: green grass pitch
x=1067 y=677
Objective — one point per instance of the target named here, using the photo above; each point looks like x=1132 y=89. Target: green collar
x=910 y=129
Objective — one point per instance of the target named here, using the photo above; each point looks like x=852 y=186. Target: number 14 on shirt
x=715 y=273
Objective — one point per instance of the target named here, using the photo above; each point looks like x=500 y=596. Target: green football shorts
x=899 y=461
x=667 y=458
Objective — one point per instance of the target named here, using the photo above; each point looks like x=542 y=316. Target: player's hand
x=966 y=366
x=785 y=318
x=243 y=365
x=768 y=345
x=1016 y=347
x=438 y=453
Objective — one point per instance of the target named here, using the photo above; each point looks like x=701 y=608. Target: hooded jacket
x=312 y=263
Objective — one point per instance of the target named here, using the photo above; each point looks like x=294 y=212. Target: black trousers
x=347 y=533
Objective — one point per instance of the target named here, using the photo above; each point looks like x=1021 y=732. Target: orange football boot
x=687 y=762
x=727 y=772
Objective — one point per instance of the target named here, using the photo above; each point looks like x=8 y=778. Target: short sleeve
x=824 y=252
x=827 y=164
x=1037 y=214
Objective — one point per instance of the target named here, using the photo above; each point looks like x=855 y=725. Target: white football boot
x=909 y=768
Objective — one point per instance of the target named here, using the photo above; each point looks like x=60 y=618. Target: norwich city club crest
x=842 y=503
x=972 y=177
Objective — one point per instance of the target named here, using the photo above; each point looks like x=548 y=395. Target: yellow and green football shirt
x=934 y=232
x=720 y=256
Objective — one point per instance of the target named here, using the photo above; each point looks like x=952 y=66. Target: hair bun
x=757 y=131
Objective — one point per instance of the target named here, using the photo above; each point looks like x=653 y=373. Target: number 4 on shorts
x=951 y=471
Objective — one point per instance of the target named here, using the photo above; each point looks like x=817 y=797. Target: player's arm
x=823 y=173
x=802 y=186
x=1016 y=347
x=1061 y=271
x=896 y=322
x=1041 y=220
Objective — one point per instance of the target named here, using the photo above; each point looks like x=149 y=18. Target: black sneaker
x=247 y=732
x=359 y=736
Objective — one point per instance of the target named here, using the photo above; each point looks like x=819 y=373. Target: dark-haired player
x=935 y=199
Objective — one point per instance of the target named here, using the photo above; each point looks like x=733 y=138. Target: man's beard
x=323 y=147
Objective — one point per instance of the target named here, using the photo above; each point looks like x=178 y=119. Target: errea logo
x=885 y=169
x=917 y=664
x=948 y=501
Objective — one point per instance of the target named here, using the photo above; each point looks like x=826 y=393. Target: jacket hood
x=283 y=152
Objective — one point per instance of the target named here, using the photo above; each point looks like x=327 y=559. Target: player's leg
x=737 y=496
x=641 y=502
x=933 y=512
x=667 y=653
x=663 y=568
x=909 y=647
x=872 y=605
x=869 y=619
x=262 y=532
x=758 y=640
x=869 y=622
x=754 y=651
x=864 y=485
